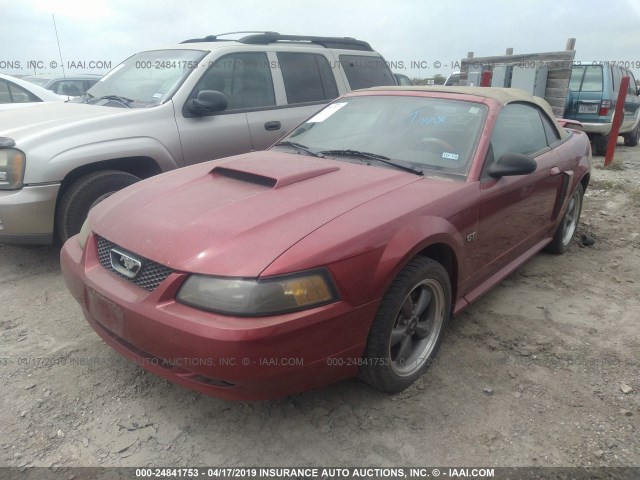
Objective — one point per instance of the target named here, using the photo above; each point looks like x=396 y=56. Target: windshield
x=146 y=79
x=432 y=135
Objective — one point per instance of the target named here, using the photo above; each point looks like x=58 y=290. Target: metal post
x=485 y=79
x=617 y=121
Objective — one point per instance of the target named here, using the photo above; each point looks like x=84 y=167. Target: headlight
x=251 y=297
x=84 y=233
x=12 y=164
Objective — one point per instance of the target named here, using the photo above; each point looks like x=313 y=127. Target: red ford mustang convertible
x=342 y=250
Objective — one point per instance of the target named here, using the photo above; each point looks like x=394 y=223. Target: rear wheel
x=85 y=193
x=631 y=138
x=569 y=224
x=408 y=328
x=600 y=145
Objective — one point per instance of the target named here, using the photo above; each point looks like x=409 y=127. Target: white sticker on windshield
x=111 y=72
x=327 y=112
x=474 y=110
x=450 y=156
x=157 y=95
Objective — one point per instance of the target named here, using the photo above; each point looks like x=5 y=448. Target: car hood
x=34 y=119
x=236 y=216
x=13 y=106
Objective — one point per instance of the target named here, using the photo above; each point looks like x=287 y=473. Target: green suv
x=593 y=91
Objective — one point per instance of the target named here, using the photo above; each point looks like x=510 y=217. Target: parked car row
x=203 y=99
x=338 y=249
x=67 y=85
x=15 y=92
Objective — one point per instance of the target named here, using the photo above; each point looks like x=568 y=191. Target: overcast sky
x=409 y=33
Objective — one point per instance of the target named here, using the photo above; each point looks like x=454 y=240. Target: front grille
x=150 y=276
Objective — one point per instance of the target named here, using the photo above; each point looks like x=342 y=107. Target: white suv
x=161 y=109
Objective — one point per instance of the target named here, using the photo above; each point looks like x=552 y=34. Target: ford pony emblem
x=125 y=264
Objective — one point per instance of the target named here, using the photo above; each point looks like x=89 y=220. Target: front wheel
x=567 y=228
x=84 y=194
x=408 y=328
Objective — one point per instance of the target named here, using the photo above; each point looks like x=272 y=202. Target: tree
x=420 y=81
x=439 y=79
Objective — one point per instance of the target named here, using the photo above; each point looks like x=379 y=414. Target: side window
x=633 y=89
x=549 y=130
x=616 y=79
x=68 y=87
x=20 y=95
x=518 y=129
x=366 y=71
x=5 y=97
x=245 y=78
x=307 y=77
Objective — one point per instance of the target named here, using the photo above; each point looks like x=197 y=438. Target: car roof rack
x=215 y=38
x=327 y=42
x=266 y=38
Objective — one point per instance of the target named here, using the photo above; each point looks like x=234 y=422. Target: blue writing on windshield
x=418 y=118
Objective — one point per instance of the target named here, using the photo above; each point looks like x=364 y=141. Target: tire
x=569 y=223
x=600 y=145
x=408 y=328
x=631 y=138
x=83 y=194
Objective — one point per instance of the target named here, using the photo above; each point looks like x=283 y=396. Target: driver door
x=517 y=212
x=245 y=78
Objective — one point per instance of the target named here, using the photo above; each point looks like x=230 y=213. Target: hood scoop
x=244 y=176
x=272 y=174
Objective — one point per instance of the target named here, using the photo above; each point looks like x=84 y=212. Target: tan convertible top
x=501 y=95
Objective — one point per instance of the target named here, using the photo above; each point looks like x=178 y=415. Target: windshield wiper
x=373 y=156
x=123 y=100
x=84 y=98
x=300 y=147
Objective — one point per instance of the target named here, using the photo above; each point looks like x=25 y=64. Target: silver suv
x=162 y=109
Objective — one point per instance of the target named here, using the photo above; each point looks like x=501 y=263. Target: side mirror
x=207 y=101
x=512 y=164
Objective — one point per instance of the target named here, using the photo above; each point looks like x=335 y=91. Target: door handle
x=554 y=171
x=272 y=126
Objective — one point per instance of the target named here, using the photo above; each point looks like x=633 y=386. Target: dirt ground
x=532 y=374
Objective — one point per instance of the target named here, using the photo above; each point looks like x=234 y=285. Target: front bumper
x=223 y=356
x=26 y=215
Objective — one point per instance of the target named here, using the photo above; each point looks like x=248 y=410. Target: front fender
x=64 y=162
x=409 y=242
x=366 y=260
x=55 y=148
